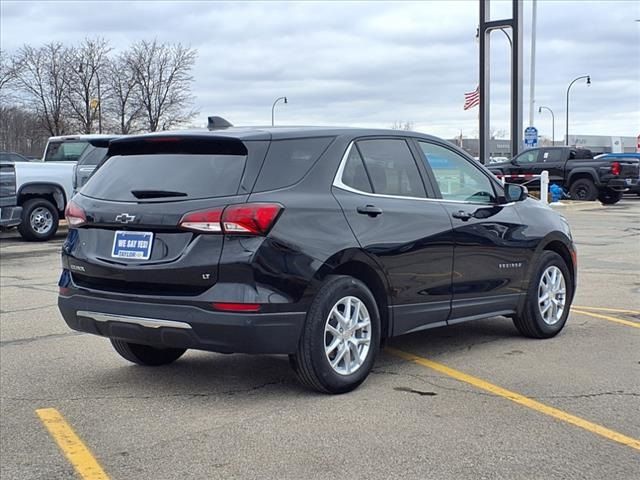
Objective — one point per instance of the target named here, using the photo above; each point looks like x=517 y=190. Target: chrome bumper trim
x=144 y=322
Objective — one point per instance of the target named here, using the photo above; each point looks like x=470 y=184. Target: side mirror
x=514 y=161
x=515 y=193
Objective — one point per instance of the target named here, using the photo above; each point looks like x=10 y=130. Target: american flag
x=472 y=99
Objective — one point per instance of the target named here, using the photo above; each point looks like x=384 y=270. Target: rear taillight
x=75 y=215
x=204 y=221
x=615 y=168
x=245 y=219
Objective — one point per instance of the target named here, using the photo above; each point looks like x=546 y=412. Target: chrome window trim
x=337 y=182
x=144 y=322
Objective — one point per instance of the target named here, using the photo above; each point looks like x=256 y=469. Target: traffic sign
x=531 y=137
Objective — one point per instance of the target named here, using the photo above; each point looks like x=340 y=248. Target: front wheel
x=145 y=354
x=609 y=197
x=340 y=339
x=548 y=299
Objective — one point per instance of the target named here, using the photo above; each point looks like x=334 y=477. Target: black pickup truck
x=575 y=170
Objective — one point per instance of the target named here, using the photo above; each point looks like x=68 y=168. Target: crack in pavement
x=25 y=341
x=29 y=309
x=148 y=397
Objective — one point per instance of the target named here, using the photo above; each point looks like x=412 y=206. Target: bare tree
x=402 y=126
x=163 y=77
x=42 y=74
x=7 y=76
x=123 y=104
x=88 y=63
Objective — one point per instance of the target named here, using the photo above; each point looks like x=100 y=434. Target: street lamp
x=274 y=106
x=553 y=124
x=566 y=134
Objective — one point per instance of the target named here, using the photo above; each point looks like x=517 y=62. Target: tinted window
x=457 y=178
x=288 y=161
x=354 y=174
x=391 y=167
x=197 y=176
x=527 y=157
x=92 y=155
x=68 y=151
x=552 y=156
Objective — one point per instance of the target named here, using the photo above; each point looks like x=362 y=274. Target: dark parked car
x=318 y=243
x=10 y=211
x=584 y=177
x=91 y=156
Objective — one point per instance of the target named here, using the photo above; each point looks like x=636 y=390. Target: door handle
x=462 y=215
x=370 y=210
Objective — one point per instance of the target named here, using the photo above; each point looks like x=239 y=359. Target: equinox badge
x=125 y=218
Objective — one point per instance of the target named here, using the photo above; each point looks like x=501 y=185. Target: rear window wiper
x=156 y=193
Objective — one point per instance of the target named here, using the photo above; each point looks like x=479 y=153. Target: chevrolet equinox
x=318 y=243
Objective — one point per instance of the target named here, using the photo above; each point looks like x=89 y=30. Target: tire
x=312 y=364
x=583 y=189
x=530 y=321
x=609 y=197
x=39 y=220
x=145 y=354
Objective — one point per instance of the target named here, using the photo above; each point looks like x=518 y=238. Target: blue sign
x=134 y=245
x=530 y=137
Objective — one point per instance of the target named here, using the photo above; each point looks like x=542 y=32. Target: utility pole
x=532 y=80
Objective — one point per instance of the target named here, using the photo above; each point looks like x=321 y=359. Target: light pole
x=274 y=106
x=553 y=124
x=566 y=133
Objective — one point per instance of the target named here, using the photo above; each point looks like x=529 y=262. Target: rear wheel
x=583 y=189
x=609 y=197
x=548 y=300
x=341 y=337
x=39 y=220
x=145 y=354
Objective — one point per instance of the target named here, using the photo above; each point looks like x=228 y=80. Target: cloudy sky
x=368 y=63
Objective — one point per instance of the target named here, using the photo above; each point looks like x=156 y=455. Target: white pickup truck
x=43 y=188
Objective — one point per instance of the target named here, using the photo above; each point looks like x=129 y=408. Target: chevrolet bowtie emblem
x=125 y=218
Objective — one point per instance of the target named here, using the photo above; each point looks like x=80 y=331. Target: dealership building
x=596 y=143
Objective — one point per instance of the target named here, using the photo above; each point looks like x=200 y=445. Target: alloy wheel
x=347 y=335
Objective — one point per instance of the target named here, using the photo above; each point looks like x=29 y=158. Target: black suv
x=319 y=243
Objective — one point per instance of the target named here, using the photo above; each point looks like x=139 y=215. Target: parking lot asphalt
x=470 y=401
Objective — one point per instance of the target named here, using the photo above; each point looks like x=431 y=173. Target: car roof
x=286 y=132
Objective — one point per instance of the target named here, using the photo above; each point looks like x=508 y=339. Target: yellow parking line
x=602 y=309
x=519 y=399
x=628 y=323
x=76 y=452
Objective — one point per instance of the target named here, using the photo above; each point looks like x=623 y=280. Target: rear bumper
x=620 y=183
x=10 y=216
x=183 y=326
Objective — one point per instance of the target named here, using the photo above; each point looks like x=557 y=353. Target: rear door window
x=289 y=160
x=167 y=177
x=391 y=167
x=551 y=155
x=65 y=151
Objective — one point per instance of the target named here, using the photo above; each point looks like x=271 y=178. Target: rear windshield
x=65 y=151
x=92 y=155
x=135 y=178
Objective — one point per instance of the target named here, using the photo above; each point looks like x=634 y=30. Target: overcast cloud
x=368 y=63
